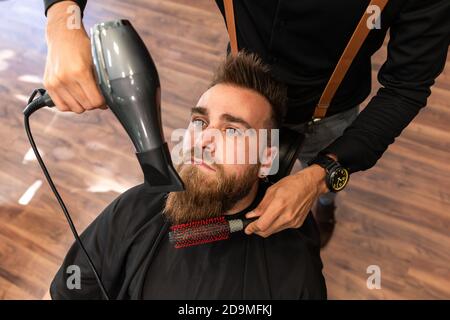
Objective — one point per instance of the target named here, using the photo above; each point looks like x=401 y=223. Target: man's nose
x=207 y=140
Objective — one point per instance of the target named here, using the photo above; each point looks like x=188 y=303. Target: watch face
x=339 y=179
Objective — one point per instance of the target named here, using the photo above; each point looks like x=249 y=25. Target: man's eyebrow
x=224 y=117
x=230 y=118
x=200 y=110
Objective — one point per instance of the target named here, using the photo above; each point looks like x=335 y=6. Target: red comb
x=199 y=232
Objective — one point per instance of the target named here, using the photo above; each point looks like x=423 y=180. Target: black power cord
x=33 y=105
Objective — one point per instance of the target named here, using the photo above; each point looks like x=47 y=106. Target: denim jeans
x=323 y=134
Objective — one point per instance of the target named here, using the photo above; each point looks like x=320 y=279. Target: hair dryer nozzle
x=159 y=174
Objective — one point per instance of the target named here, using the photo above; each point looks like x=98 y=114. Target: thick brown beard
x=207 y=196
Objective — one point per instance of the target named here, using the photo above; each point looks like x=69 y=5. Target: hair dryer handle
x=43 y=101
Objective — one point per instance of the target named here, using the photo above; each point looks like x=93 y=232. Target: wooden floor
x=396 y=215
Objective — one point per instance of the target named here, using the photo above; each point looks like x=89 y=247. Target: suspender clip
x=311 y=124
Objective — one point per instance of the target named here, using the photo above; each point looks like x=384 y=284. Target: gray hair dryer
x=129 y=81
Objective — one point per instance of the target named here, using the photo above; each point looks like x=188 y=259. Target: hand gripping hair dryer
x=129 y=81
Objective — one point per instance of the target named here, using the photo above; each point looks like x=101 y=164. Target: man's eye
x=233 y=132
x=198 y=122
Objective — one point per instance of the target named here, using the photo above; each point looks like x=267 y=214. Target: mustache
x=195 y=152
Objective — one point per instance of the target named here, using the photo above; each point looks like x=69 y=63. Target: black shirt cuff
x=352 y=153
x=49 y=3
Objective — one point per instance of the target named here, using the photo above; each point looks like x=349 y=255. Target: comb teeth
x=199 y=232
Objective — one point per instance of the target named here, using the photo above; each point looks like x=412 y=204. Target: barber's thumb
x=252 y=227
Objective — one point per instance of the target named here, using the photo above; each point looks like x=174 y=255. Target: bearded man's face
x=220 y=166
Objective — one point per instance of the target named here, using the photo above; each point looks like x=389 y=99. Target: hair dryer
x=129 y=81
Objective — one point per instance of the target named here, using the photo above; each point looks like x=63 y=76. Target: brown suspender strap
x=353 y=46
x=229 y=17
x=346 y=59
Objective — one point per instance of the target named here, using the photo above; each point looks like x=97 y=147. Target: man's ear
x=268 y=157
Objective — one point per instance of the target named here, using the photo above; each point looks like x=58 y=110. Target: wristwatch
x=336 y=175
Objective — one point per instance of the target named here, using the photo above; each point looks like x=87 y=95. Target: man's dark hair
x=247 y=70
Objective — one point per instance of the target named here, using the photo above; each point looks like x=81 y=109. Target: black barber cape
x=129 y=245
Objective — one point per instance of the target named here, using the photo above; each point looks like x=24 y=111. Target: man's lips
x=201 y=163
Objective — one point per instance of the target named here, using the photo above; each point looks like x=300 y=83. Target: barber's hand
x=287 y=203
x=69 y=77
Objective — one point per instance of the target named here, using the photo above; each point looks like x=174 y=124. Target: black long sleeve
x=417 y=53
x=303 y=45
x=49 y=3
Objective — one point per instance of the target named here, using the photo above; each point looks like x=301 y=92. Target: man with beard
x=129 y=242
